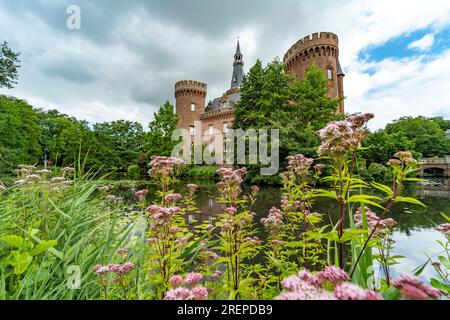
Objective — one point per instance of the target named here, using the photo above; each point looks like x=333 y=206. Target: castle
x=217 y=116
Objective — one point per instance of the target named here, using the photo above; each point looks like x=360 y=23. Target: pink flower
x=2 y=187
x=164 y=166
x=274 y=221
x=140 y=195
x=178 y=294
x=122 y=251
x=277 y=243
x=192 y=188
x=114 y=267
x=173 y=197
x=292 y=283
x=176 y=281
x=444 y=228
x=200 y=293
x=338 y=138
x=216 y=275
x=332 y=274
x=126 y=268
x=307 y=277
x=231 y=211
x=359 y=120
x=174 y=229
x=411 y=287
x=349 y=291
x=255 y=189
x=299 y=164
x=193 y=278
x=102 y=270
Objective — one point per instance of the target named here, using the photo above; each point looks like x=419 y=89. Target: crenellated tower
x=323 y=50
x=190 y=102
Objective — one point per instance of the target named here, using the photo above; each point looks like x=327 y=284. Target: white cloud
x=423 y=44
x=129 y=67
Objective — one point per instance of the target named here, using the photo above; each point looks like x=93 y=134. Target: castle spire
x=238 y=68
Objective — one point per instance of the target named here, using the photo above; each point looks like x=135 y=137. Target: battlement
x=318 y=39
x=190 y=88
x=190 y=84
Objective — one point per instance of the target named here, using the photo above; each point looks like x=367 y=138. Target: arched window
x=330 y=74
x=192 y=130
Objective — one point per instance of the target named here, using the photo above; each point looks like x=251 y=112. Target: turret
x=190 y=102
x=323 y=50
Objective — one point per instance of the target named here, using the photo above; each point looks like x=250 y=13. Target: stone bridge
x=441 y=164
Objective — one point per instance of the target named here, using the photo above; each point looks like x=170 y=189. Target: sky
x=124 y=60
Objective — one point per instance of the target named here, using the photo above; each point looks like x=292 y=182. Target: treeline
x=29 y=135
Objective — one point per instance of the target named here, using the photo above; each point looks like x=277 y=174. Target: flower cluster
x=114 y=268
x=306 y=286
x=192 y=187
x=384 y=225
x=299 y=164
x=230 y=181
x=172 y=198
x=274 y=221
x=359 y=120
x=192 y=292
x=337 y=138
x=164 y=166
x=162 y=216
x=411 y=287
x=141 y=194
x=444 y=228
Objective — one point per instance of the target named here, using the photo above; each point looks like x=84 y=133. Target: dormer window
x=330 y=74
x=193 y=107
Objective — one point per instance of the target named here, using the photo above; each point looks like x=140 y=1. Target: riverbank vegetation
x=68 y=237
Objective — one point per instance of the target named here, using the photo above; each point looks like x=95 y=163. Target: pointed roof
x=238 y=47
x=339 y=69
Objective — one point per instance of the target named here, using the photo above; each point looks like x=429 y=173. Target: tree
x=423 y=136
x=117 y=145
x=9 y=63
x=19 y=133
x=159 y=138
x=272 y=99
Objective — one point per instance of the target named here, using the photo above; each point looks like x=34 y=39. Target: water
x=415 y=237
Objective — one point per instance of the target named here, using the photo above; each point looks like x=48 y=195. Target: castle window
x=330 y=73
x=210 y=129
x=193 y=107
x=225 y=127
x=192 y=130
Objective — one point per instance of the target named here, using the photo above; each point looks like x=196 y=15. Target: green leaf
x=43 y=246
x=444 y=261
x=13 y=240
x=362 y=198
x=409 y=200
x=420 y=269
x=440 y=285
x=320 y=193
x=383 y=188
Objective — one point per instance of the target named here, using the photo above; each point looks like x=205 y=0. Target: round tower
x=323 y=50
x=190 y=102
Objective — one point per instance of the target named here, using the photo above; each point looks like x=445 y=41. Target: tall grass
x=86 y=232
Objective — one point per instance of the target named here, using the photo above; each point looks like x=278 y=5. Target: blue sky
x=125 y=59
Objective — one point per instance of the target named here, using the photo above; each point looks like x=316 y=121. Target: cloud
x=127 y=56
x=423 y=44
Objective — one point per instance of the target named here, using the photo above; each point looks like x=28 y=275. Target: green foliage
x=158 y=140
x=423 y=136
x=117 y=144
x=9 y=63
x=19 y=133
x=271 y=99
